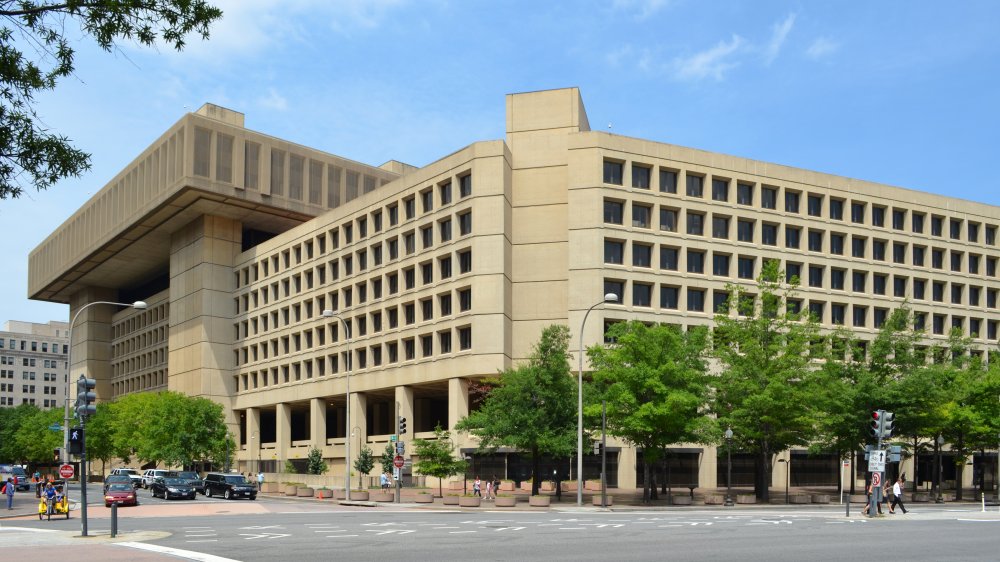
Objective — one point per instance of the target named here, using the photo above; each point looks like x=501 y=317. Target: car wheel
x=208 y=492
x=253 y=498
x=105 y=505
x=229 y=495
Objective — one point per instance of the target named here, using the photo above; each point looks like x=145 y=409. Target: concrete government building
x=447 y=273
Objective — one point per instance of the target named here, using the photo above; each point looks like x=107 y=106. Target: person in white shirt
x=897 y=495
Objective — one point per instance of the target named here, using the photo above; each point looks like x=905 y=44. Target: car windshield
x=18 y=471
x=173 y=481
x=236 y=480
x=188 y=475
x=117 y=478
x=119 y=488
x=128 y=471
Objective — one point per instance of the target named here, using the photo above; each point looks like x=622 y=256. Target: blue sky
x=904 y=93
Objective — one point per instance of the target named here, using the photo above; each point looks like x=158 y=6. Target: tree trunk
x=854 y=471
x=536 y=477
x=653 y=494
x=960 y=473
x=645 y=480
x=916 y=443
x=762 y=482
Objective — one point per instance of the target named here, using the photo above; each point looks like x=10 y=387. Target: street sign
x=400 y=447
x=66 y=471
x=394 y=438
x=876 y=479
x=398 y=461
x=55 y=427
x=876 y=461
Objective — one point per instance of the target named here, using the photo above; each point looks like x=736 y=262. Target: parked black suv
x=229 y=486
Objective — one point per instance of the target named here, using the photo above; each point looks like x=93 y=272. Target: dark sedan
x=190 y=478
x=168 y=488
x=116 y=479
x=121 y=494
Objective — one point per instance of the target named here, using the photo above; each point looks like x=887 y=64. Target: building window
x=668 y=181
x=669 y=297
x=860 y=315
x=720 y=190
x=858 y=246
x=857 y=212
x=641 y=176
x=695 y=185
x=769 y=198
x=614 y=252
x=837 y=209
x=642 y=294
x=878 y=250
x=956 y=293
x=898 y=219
x=695 y=223
x=815 y=275
x=793 y=273
x=465 y=338
x=899 y=286
x=937 y=258
x=465 y=223
x=991 y=267
x=956 y=229
x=938 y=324
x=837 y=279
x=937 y=225
x=465 y=261
x=613 y=212
x=991 y=236
x=837 y=313
x=878 y=216
x=956 y=261
x=427 y=200
x=919 y=287
x=641 y=215
x=837 y=244
x=720 y=227
x=879 y=317
x=898 y=252
x=668 y=258
x=464 y=300
x=444 y=341
x=917 y=222
x=816 y=310
x=937 y=291
x=668 y=220
x=974 y=264
x=791 y=201
x=744 y=230
x=792 y=236
x=814 y=205
x=642 y=255
x=465 y=186
x=745 y=267
x=815 y=240
x=744 y=193
x=615 y=287
x=769 y=234
x=859 y=281
x=613 y=172
x=879 y=282
x=918 y=255
x=444 y=230
x=695 y=300
x=720 y=265
x=695 y=261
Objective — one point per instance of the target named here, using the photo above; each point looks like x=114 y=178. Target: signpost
x=876 y=461
x=66 y=471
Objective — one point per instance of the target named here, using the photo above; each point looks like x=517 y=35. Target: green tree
x=364 y=464
x=385 y=460
x=29 y=152
x=533 y=406
x=34 y=439
x=316 y=463
x=11 y=420
x=437 y=457
x=767 y=390
x=654 y=382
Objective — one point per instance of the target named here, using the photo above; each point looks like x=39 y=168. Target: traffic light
x=876 y=424
x=597 y=447
x=85 y=397
x=55 y=454
x=887 y=418
x=402 y=425
x=76 y=440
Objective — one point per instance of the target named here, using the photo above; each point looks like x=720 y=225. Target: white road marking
x=460 y=532
x=269 y=536
x=340 y=536
x=180 y=553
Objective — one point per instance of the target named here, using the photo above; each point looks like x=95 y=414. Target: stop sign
x=66 y=471
x=398 y=461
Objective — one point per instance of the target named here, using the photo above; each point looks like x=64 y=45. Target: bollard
x=847 y=504
x=114 y=520
x=984 y=502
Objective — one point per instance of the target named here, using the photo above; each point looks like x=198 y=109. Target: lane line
x=180 y=553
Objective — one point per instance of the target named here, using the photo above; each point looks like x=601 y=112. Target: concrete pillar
x=779 y=471
x=708 y=468
x=458 y=400
x=253 y=437
x=90 y=349
x=201 y=340
x=282 y=430
x=404 y=401
x=358 y=428
x=317 y=422
x=626 y=468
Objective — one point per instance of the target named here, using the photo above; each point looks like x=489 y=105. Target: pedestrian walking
x=897 y=495
x=496 y=486
x=489 y=489
x=383 y=479
x=8 y=489
x=868 y=503
x=260 y=480
x=477 y=487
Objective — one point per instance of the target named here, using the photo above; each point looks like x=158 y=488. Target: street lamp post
x=347 y=413
x=788 y=465
x=729 y=467
x=608 y=297
x=940 y=470
x=138 y=305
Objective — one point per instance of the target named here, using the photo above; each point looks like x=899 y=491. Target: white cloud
x=273 y=101
x=779 y=32
x=822 y=47
x=714 y=62
x=641 y=8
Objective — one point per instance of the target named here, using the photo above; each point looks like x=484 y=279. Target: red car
x=121 y=494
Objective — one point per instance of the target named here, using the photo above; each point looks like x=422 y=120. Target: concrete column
x=317 y=422
x=283 y=430
x=779 y=471
x=358 y=428
x=91 y=345
x=458 y=400
x=404 y=400
x=626 y=468
x=708 y=468
x=253 y=437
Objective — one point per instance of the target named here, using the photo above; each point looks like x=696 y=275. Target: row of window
x=377 y=219
x=140 y=320
x=139 y=383
x=862 y=316
x=383 y=353
x=816 y=240
x=14 y=344
x=374 y=322
x=816 y=204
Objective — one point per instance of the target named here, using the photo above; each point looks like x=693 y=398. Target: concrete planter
x=450 y=500
x=324 y=493
x=304 y=492
x=506 y=486
x=799 y=499
x=505 y=501
x=821 y=498
x=269 y=487
x=597 y=500
x=469 y=501
x=383 y=496
x=338 y=494
x=291 y=490
x=359 y=495
x=681 y=500
x=539 y=501
x=714 y=500
x=920 y=497
x=746 y=498
x=594 y=485
x=423 y=498
x=547 y=487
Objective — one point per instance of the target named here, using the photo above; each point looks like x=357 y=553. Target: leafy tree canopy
x=437 y=457
x=30 y=154
x=364 y=463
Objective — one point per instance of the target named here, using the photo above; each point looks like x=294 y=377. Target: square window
x=642 y=255
x=641 y=176
x=641 y=215
x=720 y=190
x=899 y=286
x=878 y=216
x=919 y=288
x=613 y=172
x=769 y=198
x=720 y=265
x=769 y=234
x=917 y=222
x=668 y=181
x=815 y=205
x=937 y=225
x=879 y=282
x=815 y=240
x=793 y=273
x=837 y=244
x=695 y=261
x=695 y=223
x=898 y=219
x=878 y=250
x=669 y=297
x=791 y=202
x=816 y=275
x=613 y=212
x=859 y=281
x=720 y=227
x=857 y=212
x=642 y=294
x=745 y=267
x=668 y=258
x=695 y=185
x=614 y=287
x=837 y=209
x=837 y=278
x=695 y=300
x=744 y=230
x=792 y=236
x=858 y=245
x=744 y=194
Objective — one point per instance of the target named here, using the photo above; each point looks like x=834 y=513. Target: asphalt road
x=279 y=529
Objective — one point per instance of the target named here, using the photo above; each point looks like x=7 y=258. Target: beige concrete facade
x=446 y=274
x=33 y=368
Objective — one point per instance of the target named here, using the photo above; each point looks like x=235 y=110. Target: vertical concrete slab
x=317 y=422
x=253 y=436
x=458 y=400
x=404 y=407
x=283 y=430
x=90 y=350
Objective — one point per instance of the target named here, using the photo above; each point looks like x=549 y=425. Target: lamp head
x=327 y=314
x=610 y=297
x=140 y=305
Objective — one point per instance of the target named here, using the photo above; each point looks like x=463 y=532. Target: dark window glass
x=641 y=215
x=745 y=267
x=857 y=213
x=815 y=240
x=720 y=190
x=792 y=236
x=816 y=309
x=815 y=275
x=744 y=193
x=668 y=181
x=898 y=286
x=615 y=287
x=668 y=220
x=791 y=202
x=956 y=261
x=669 y=297
x=793 y=273
x=837 y=209
x=919 y=287
x=878 y=250
x=613 y=172
x=465 y=185
x=696 y=300
x=642 y=255
x=878 y=284
x=465 y=223
x=973 y=264
x=918 y=255
x=695 y=223
x=465 y=261
x=917 y=221
x=642 y=294
x=744 y=230
x=938 y=324
x=956 y=229
x=991 y=235
x=879 y=318
x=937 y=291
x=695 y=185
x=720 y=227
x=720 y=302
x=720 y=265
x=858 y=246
x=614 y=252
x=991 y=267
x=898 y=252
x=695 y=261
x=859 y=281
x=769 y=198
x=898 y=219
x=937 y=225
x=641 y=176
x=860 y=313
x=769 y=234
x=956 y=293
x=878 y=216
x=837 y=279
x=937 y=258
x=668 y=258
x=837 y=312
x=815 y=204
x=837 y=244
